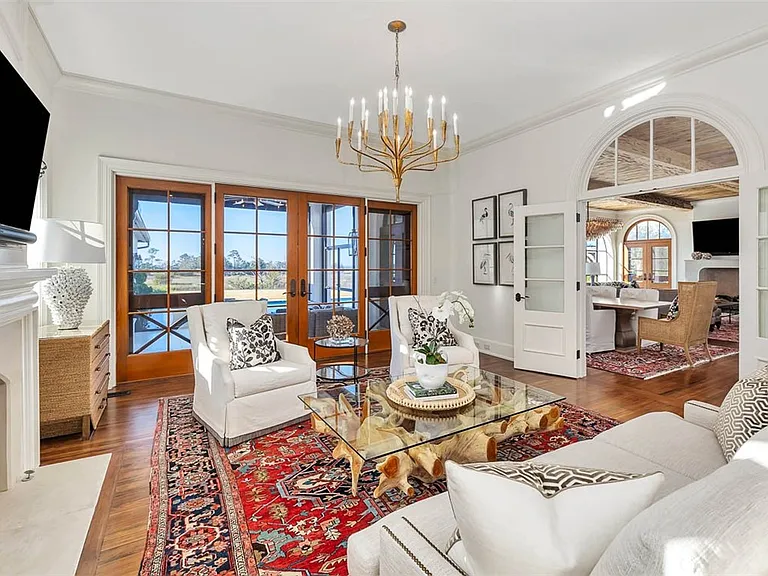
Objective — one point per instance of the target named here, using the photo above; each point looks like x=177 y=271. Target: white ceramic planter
x=431 y=376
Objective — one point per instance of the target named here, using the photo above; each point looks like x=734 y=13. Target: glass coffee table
x=406 y=441
x=343 y=371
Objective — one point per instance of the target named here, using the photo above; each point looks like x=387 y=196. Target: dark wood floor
x=116 y=541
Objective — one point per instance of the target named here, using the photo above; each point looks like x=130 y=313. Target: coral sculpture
x=66 y=295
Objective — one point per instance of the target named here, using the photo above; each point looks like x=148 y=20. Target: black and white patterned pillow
x=426 y=326
x=744 y=412
x=251 y=345
x=674 y=309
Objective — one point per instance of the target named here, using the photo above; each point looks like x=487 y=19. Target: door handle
x=292 y=291
x=303 y=288
x=519 y=297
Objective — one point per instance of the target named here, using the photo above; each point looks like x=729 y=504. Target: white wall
x=545 y=159
x=716 y=209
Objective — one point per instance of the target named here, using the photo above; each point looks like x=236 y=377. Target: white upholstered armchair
x=236 y=405
x=402 y=336
x=601 y=324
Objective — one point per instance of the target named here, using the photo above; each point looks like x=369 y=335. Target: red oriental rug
x=728 y=331
x=652 y=362
x=279 y=505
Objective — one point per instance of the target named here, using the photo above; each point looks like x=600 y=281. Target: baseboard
x=496 y=349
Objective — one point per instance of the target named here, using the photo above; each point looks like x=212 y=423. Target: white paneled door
x=753 y=272
x=546 y=314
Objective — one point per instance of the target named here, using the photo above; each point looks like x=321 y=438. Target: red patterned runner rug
x=280 y=502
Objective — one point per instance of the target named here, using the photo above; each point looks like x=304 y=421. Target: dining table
x=625 y=308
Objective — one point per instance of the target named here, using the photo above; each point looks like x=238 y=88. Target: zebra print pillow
x=251 y=345
x=426 y=326
x=744 y=412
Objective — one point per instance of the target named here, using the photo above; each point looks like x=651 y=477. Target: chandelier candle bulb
x=338 y=128
x=442 y=109
x=351 y=110
x=455 y=124
x=434 y=140
x=362 y=110
x=359 y=139
x=386 y=100
x=394 y=102
x=365 y=123
x=381 y=101
x=429 y=107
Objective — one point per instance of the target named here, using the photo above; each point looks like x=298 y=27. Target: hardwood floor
x=128 y=425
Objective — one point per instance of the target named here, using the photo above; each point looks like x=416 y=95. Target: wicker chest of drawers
x=74 y=379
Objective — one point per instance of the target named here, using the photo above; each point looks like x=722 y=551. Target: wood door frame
x=647 y=246
x=304 y=339
x=174 y=362
x=293 y=231
x=380 y=340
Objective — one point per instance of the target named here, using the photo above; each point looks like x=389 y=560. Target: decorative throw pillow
x=744 y=412
x=523 y=514
x=426 y=326
x=674 y=310
x=251 y=345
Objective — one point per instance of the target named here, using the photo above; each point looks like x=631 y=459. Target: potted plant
x=431 y=364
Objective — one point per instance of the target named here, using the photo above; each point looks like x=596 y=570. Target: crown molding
x=98 y=87
x=601 y=96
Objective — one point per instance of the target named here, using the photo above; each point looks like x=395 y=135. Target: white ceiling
x=497 y=63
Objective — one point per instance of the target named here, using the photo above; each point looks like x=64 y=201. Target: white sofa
x=684 y=449
x=600 y=323
x=401 y=334
x=236 y=405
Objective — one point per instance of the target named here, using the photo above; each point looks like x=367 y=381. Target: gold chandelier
x=398 y=153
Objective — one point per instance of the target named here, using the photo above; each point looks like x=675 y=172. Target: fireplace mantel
x=19 y=424
x=694 y=267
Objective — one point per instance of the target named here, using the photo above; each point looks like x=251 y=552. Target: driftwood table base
x=427 y=461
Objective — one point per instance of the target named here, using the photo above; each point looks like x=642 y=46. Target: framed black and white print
x=507 y=263
x=507 y=204
x=484 y=269
x=484 y=218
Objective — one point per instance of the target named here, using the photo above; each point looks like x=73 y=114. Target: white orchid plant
x=448 y=303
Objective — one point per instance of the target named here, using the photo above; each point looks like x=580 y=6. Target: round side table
x=343 y=371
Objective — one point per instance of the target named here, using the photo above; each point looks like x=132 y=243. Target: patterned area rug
x=279 y=505
x=728 y=331
x=651 y=362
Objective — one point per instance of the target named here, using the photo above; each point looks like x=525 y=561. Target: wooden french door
x=391 y=265
x=299 y=252
x=649 y=262
x=162 y=267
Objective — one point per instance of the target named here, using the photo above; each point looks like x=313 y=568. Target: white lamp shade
x=593 y=269
x=68 y=242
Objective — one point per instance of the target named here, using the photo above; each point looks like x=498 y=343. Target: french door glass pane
x=762 y=301
x=239 y=252
x=762 y=212
x=545 y=263
x=273 y=216
x=762 y=263
x=239 y=285
x=545 y=230
x=378 y=314
x=168 y=263
x=545 y=296
x=240 y=213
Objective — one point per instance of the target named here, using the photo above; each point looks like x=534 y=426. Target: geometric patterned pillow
x=744 y=412
x=425 y=327
x=252 y=345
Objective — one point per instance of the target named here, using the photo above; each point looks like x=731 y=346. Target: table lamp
x=68 y=242
x=593 y=271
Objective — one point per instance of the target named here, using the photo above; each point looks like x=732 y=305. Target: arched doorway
x=647 y=257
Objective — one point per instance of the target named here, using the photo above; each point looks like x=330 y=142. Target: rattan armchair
x=691 y=327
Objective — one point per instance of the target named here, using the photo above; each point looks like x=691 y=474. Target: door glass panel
x=240 y=213
x=762 y=212
x=272 y=252
x=545 y=296
x=544 y=263
x=273 y=216
x=239 y=252
x=146 y=331
x=186 y=250
x=378 y=314
x=762 y=263
x=379 y=253
x=186 y=211
x=149 y=250
x=240 y=285
x=149 y=209
x=545 y=230
x=634 y=162
x=762 y=300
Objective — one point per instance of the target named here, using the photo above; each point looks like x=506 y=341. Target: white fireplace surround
x=19 y=402
x=694 y=267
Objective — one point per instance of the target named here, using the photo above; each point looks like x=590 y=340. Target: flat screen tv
x=718 y=237
x=26 y=123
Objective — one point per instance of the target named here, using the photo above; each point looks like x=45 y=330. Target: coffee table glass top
x=363 y=417
x=351 y=342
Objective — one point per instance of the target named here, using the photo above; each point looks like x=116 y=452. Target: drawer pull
x=101 y=342
x=98 y=368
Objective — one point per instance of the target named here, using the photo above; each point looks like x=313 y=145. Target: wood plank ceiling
x=680 y=198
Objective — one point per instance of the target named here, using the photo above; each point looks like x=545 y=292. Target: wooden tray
x=396 y=393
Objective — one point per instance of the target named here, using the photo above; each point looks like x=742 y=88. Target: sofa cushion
x=547 y=499
x=594 y=454
x=669 y=441
x=755 y=449
x=433 y=517
x=215 y=322
x=743 y=413
x=252 y=345
x=715 y=525
x=280 y=374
